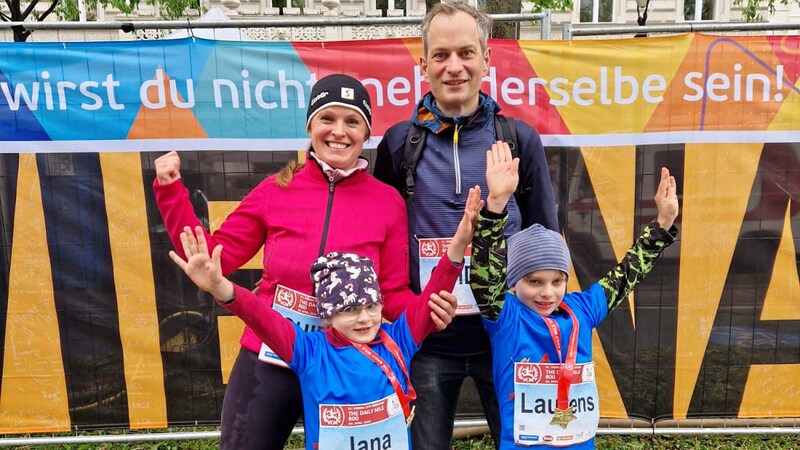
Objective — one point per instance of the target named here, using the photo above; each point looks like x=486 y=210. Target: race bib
x=299 y=308
x=535 y=391
x=376 y=425
x=430 y=252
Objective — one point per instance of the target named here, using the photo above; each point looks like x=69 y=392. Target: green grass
x=738 y=442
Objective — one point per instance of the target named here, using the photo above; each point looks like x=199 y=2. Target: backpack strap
x=415 y=142
x=506 y=130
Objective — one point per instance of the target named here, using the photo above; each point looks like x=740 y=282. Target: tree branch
x=29 y=9
x=14 y=8
x=49 y=10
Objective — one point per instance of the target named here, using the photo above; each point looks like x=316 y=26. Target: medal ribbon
x=567 y=366
x=405 y=400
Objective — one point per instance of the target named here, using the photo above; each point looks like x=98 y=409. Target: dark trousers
x=261 y=406
x=437 y=380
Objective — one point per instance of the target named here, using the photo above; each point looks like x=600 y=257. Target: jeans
x=261 y=406
x=437 y=380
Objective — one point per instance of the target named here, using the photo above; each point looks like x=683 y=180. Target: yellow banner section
x=613 y=174
x=771 y=391
x=768 y=388
x=783 y=295
x=136 y=301
x=34 y=395
x=717 y=183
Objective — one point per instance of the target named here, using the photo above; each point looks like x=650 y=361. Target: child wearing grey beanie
x=536 y=248
x=541 y=335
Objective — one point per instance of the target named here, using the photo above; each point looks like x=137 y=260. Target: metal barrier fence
x=300 y=28
x=618 y=427
x=570 y=31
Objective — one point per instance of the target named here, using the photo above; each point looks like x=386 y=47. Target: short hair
x=483 y=21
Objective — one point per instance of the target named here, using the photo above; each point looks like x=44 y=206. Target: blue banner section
x=103 y=90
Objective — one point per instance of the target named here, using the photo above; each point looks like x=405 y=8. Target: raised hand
x=168 y=168
x=466 y=227
x=443 y=309
x=204 y=270
x=666 y=200
x=502 y=176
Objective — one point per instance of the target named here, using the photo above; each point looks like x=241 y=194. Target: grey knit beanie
x=536 y=248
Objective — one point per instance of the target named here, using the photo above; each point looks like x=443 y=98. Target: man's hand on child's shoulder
x=667 y=200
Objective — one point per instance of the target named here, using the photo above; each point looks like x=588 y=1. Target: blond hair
x=287 y=172
x=482 y=20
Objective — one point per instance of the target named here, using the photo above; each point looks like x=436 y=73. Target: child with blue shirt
x=353 y=374
x=541 y=335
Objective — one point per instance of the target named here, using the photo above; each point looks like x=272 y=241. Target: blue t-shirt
x=521 y=335
x=341 y=376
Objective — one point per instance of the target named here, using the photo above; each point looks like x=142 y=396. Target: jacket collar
x=337 y=174
x=429 y=116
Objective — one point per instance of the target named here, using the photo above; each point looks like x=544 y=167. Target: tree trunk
x=20 y=34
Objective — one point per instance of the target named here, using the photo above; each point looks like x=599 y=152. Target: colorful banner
x=101 y=329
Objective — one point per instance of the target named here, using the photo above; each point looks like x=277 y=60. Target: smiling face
x=337 y=136
x=454 y=63
x=542 y=290
x=359 y=324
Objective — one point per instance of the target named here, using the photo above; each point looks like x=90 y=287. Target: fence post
x=566 y=31
x=546 y=25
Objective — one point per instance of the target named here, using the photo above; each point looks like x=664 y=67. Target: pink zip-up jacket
x=298 y=223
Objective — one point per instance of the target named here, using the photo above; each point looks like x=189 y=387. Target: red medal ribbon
x=405 y=399
x=568 y=366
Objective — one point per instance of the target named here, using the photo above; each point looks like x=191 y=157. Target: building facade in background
x=583 y=12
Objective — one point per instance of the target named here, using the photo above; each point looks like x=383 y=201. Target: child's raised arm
x=666 y=200
x=640 y=258
x=466 y=228
x=436 y=300
x=488 y=264
x=206 y=272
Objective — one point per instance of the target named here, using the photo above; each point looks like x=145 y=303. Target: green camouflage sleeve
x=488 y=264
x=637 y=262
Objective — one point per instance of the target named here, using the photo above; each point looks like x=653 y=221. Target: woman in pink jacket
x=331 y=203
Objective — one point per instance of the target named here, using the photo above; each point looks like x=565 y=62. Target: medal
x=563 y=414
x=563 y=417
x=411 y=416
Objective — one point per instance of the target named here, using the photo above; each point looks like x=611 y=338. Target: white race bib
x=375 y=425
x=430 y=252
x=535 y=392
x=299 y=308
